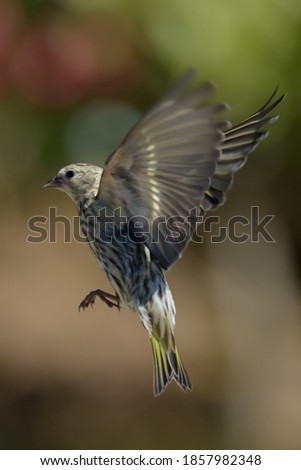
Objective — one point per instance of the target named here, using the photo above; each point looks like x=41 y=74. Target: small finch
x=140 y=211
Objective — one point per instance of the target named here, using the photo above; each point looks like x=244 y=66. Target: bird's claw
x=89 y=300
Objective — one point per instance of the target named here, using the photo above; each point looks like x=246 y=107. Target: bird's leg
x=109 y=299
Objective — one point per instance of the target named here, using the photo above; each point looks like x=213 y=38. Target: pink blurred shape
x=60 y=63
x=9 y=22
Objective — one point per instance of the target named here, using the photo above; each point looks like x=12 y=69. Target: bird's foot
x=109 y=299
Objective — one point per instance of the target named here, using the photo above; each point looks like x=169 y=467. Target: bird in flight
x=139 y=212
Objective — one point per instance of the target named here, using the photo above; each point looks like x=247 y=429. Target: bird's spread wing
x=164 y=166
x=238 y=142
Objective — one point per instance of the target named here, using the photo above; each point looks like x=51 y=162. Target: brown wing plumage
x=239 y=141
x=165 y=164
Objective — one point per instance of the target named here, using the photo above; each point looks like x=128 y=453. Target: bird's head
x=80 y=181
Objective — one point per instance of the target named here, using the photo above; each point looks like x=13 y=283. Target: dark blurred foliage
x=74 y=76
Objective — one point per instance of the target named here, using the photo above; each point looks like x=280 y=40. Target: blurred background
x=74 y=76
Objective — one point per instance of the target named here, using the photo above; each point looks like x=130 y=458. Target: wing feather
x=239 y=141
x=164 y=166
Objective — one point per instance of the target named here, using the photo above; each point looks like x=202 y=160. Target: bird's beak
x=56 y=182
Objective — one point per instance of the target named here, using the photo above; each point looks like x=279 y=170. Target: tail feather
x=168 y=366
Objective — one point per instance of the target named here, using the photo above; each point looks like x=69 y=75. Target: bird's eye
x=69 y=174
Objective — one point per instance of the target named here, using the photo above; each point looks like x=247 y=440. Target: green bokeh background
x=74 y=76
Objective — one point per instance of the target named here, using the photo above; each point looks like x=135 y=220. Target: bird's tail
x=168 y=366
